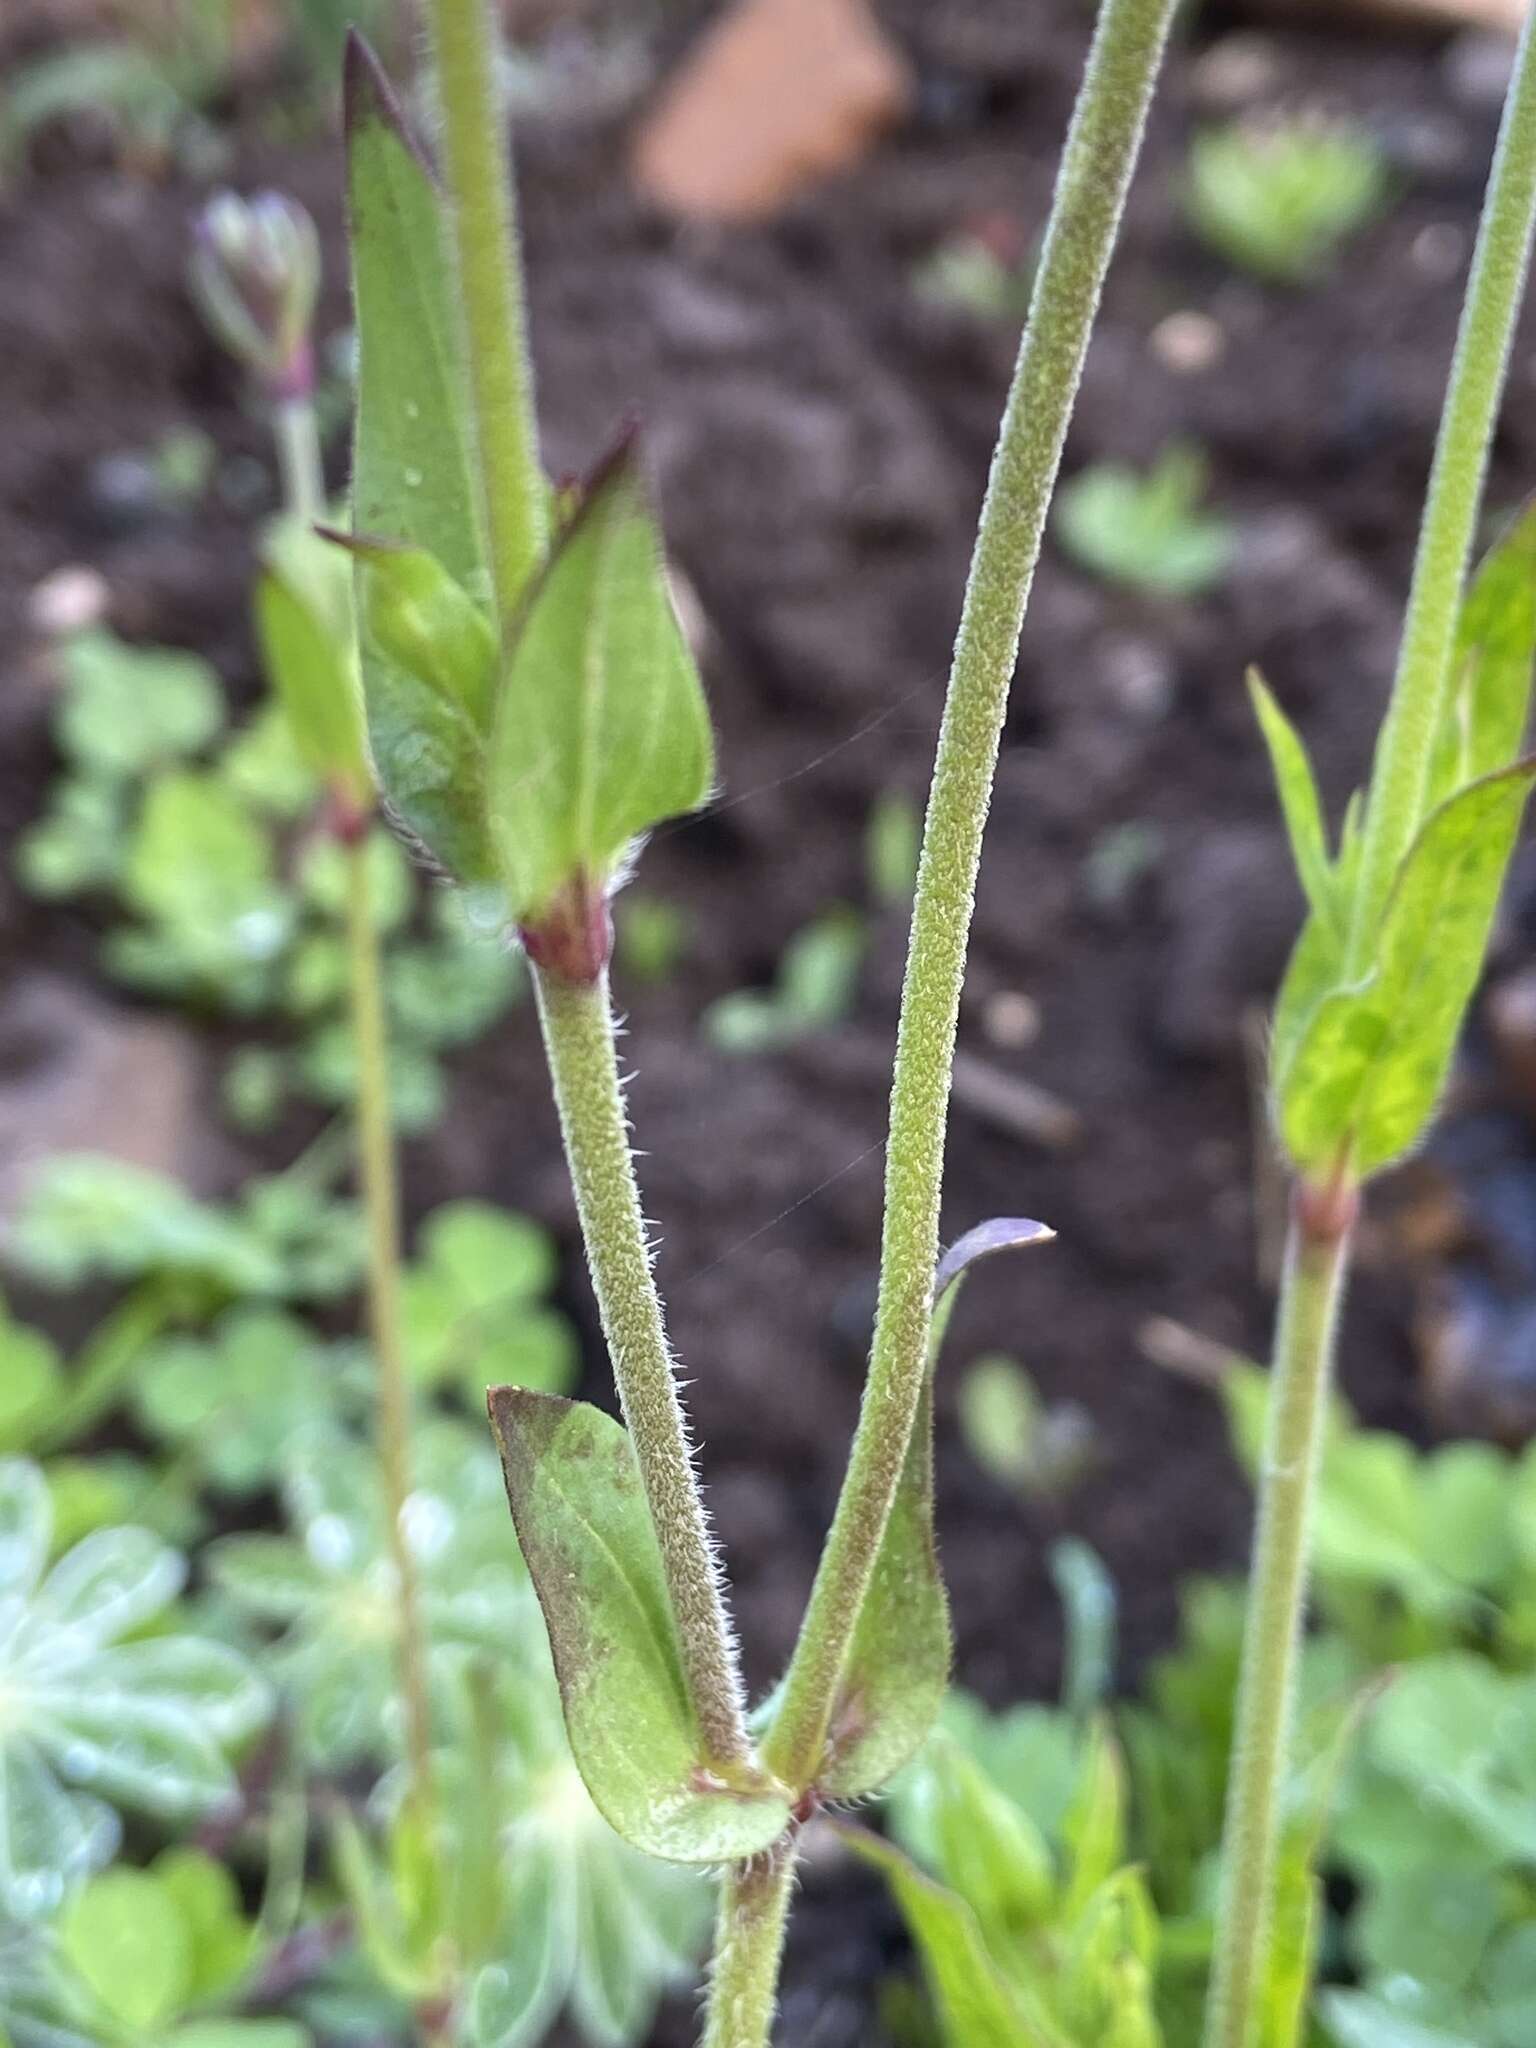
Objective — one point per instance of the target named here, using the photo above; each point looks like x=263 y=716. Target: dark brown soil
x=821 y=435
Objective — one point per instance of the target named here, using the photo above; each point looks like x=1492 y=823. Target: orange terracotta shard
x=779 y=94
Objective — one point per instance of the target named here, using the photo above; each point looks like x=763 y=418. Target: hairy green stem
x=576 y=1018
x=381 y=1203
x=1405 y=748
x=478 y=169
x=297 y=435
x=749 y=1942
x=578 y=1037
x=1100 y=154
x=1317 y=1257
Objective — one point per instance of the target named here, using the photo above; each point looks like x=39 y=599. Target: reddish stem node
x=573 y=940
x=1326 y=1211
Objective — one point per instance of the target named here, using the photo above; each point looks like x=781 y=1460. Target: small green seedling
x=1146 y=530
x=652 y=937
x=1118 y=861
x=323 y=1597
x=124 y=713
x=89 y=1217
x=893 y=843
x=1032 y=1927
x=978 y=271
x=475 y=1305
x=1041 y=1450
x=154 y=106
x=813 y=990
x=1281 y=199
x=237 y=1402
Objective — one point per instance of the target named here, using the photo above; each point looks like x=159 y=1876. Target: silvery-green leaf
x=26 y=1525
x=49 y=1838
x=517 y=1996
x=613 y=1988
x=141 y=1753
x=270 y=1578
x=237 y=2033
x=210 y=1683
x=113 y=1581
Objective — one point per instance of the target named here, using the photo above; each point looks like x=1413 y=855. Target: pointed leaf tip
x=1367 y=1064
x=899 y=1661
x=998 y=1234
x=601 y=730
x=413 y=470
x=1299 y=802
x=368 y=94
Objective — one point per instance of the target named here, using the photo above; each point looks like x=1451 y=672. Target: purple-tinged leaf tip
x=368 y=95
x=370 y=546
x=998 y=1234
x=619 y=457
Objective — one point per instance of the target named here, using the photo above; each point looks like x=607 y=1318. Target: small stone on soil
x=1188 y=343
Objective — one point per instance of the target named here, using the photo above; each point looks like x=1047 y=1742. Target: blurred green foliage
x=1146 y=529
x=1280 y=199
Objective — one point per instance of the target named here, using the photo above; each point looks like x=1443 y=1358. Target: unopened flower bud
x=255 y=273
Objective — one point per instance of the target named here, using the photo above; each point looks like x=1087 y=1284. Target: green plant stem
x=381 y=1202
x=1405 y=749
x=297 y=434
x=1096 y=168
x=1317 y=1256
x=749 y=1941
x=481 y=205
x=578 y=1037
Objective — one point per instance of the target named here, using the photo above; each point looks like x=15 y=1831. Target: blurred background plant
x=1146 y=530
x=1281 y=198
x=159 y=75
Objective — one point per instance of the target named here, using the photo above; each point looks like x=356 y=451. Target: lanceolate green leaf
x=1314 y=972
x=581 y=1518
x=977 y=2006
x=417 y=616
x=1337 y=1046
x=601 y=730
x=1298 y=797
x=313 y=667
x=1364 y=1074
x=898 y=1669
x=1490 y=681
x=1290 y=1964
x=898 y=1665
x=413 y=477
